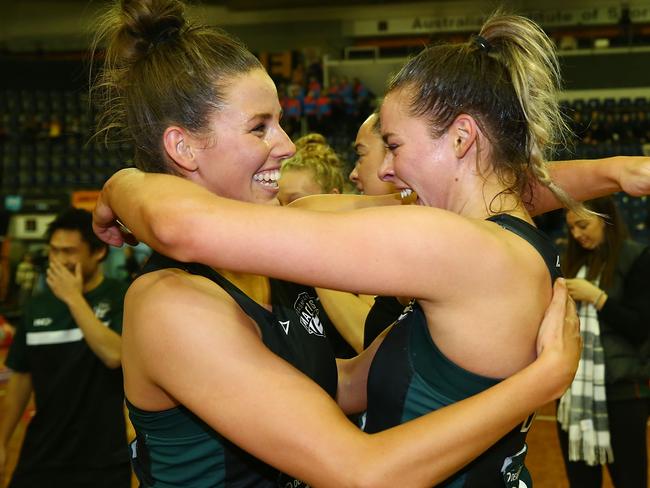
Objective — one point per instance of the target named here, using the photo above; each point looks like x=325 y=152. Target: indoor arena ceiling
x=278 y=4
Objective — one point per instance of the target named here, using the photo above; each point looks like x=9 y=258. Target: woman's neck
x=479 y=197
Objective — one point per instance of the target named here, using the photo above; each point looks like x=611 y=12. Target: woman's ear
x=464 y=132
x=178 y=145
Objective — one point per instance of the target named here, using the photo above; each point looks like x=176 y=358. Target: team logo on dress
x=285 y=325
x=307 y=311
x=101 y=309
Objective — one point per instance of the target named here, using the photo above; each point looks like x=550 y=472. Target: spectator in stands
x=314 y=86
x=324 y=105
x=310 y=109
x=350 y=112
x=602 y=418
x=67 y=353
x=7 y=332
x=26 y=275
x=292 y=107
x=365 y=99
x=335 y=99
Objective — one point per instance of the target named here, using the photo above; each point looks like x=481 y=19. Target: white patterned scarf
x=583 y=407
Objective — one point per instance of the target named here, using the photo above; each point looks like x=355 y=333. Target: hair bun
x=151 y=22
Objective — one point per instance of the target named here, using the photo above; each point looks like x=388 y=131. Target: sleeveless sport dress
x=410 y=377
x=174 y=448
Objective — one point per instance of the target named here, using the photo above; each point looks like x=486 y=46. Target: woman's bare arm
x=347 y=312
x=587 y=179
x=189 y=223
x=302 y=431
x=335 y=202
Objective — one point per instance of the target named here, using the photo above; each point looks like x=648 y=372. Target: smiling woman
x=247 y=145
x=247 y=389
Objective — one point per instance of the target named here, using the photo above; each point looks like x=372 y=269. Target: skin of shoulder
x=158 y=307
x=187 y=342
x=509 y=290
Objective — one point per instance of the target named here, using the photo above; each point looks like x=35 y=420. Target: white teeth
x=269 y=178
x=406 y=192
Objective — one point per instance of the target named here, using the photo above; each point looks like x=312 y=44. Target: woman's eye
x=259 y=128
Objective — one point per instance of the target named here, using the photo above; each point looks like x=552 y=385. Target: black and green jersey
x=174 y=448
x=79 y=423
x=410 y=377
x=382 y=314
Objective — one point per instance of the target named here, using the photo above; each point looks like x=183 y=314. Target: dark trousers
x=114 y=477
x=627 y=428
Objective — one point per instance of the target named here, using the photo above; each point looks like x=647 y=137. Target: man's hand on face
x=65 y=283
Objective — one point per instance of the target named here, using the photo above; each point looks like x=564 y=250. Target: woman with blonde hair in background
x=314 y=169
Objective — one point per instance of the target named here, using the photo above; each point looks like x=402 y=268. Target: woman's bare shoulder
x=173 y=296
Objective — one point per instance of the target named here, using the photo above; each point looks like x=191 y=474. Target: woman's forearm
x=485 y=417
x=158 y=209
x=586 y=179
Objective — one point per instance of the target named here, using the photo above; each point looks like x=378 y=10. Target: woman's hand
x=558 y=339
x=582 y=290
x=105 y=223
x=634 y=177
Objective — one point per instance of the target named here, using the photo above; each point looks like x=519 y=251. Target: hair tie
x=166 y=35
x=482 y=43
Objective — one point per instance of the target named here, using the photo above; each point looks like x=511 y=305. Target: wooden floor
x=544 y=459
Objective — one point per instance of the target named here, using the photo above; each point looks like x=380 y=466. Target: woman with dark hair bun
x=229 y=377
x=602 y=418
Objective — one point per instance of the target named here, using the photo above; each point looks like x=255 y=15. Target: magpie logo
x=102 y=309
x=305 y=307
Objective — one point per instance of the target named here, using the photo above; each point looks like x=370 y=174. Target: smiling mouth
x=268 y=179
x=408 y=196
